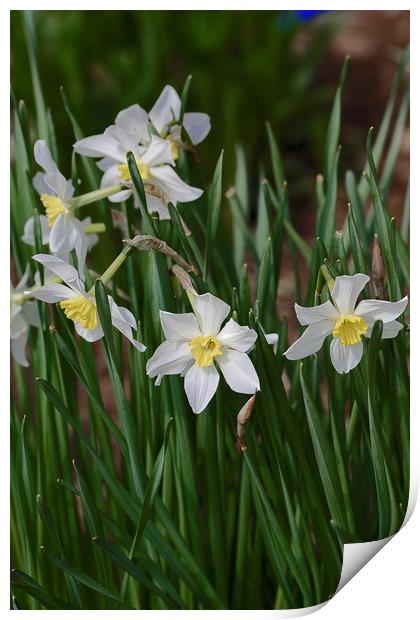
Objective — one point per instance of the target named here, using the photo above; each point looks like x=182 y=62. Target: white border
x=388 y=585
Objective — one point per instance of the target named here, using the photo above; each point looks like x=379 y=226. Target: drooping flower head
x=23 y=314
x=346 y=322
x=80 y=306
x=154 y=160
x=66 y=232
x=196 y=346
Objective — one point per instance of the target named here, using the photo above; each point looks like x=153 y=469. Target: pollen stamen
x=125 y=172
x=350 y=328
x=204 y=349
x=53 y=206
x=81 y=310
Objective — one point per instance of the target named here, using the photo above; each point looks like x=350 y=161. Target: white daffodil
x=80 y=306
x=23 y=314
x=346 y=322
x=195 y=344
x=154 y=161
x=165 y=118
x=56 y=193
x=28 y=236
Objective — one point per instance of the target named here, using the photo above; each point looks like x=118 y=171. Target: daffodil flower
x=346 y=322
x=23 y=314
x=196 y=345
x=165 y=116
x=80 y=306
x=28 y=236
x=56 y=194
x=154 y=161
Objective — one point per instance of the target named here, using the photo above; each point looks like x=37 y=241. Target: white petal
x=69 y=189
x=197 y=126
x=173 y=186
x=345 y=357
x=346 y=291
x=238 y=371
x=120 y=196
x=64 y=234
x=18 y=349
x=158 y=152
x=100 y=146
x=38 y=181
x=156 y=205
x=389 y=330
x=119 y=321
x=166 y=109
x=212 y=312
x=43 y=157
x=380 y=310
x=52 y=293
x=28 y=236
x=238 y=337
x=90 y=335
x=306 y=316
x=111 y=176
x=128 y=316
x=179 y=327
x=31 y=314
x=310 y=341
x=18 y=324
x=126 y=140
x=62 y=269
x=273 y=339
x=200 y=385
x=53 y=178
x=105 y=163
x=170 y=358
x=81 y=247
x=134 y=119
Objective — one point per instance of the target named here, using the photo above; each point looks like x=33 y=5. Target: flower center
x=81 y=310
x=349 y=328
x=174 y=150
x=125 y=172
x=204 y=349
x=53 y=206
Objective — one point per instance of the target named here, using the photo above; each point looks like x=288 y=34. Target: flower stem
x=99 y=227
x=114 y=266
x=98 y=194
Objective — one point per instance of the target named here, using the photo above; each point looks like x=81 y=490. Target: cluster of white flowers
x=197 y=347
x=155 y=140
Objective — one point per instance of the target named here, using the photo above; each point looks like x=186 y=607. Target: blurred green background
x=247 y=67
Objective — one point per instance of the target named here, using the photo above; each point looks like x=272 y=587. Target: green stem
x=98 y=194
x=114 y=266
x=99 y=227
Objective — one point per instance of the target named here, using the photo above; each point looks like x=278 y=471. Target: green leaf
x=382 y=225
x=149 y=497
x=324 y=457
x=167 y=593
x=24 y=582
x=126 y=415
x=376 y=440
x=333 y=131
x=213 y=215
x=41 y=111
x=147 y=222
x=81 y=576
x=276 y=162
